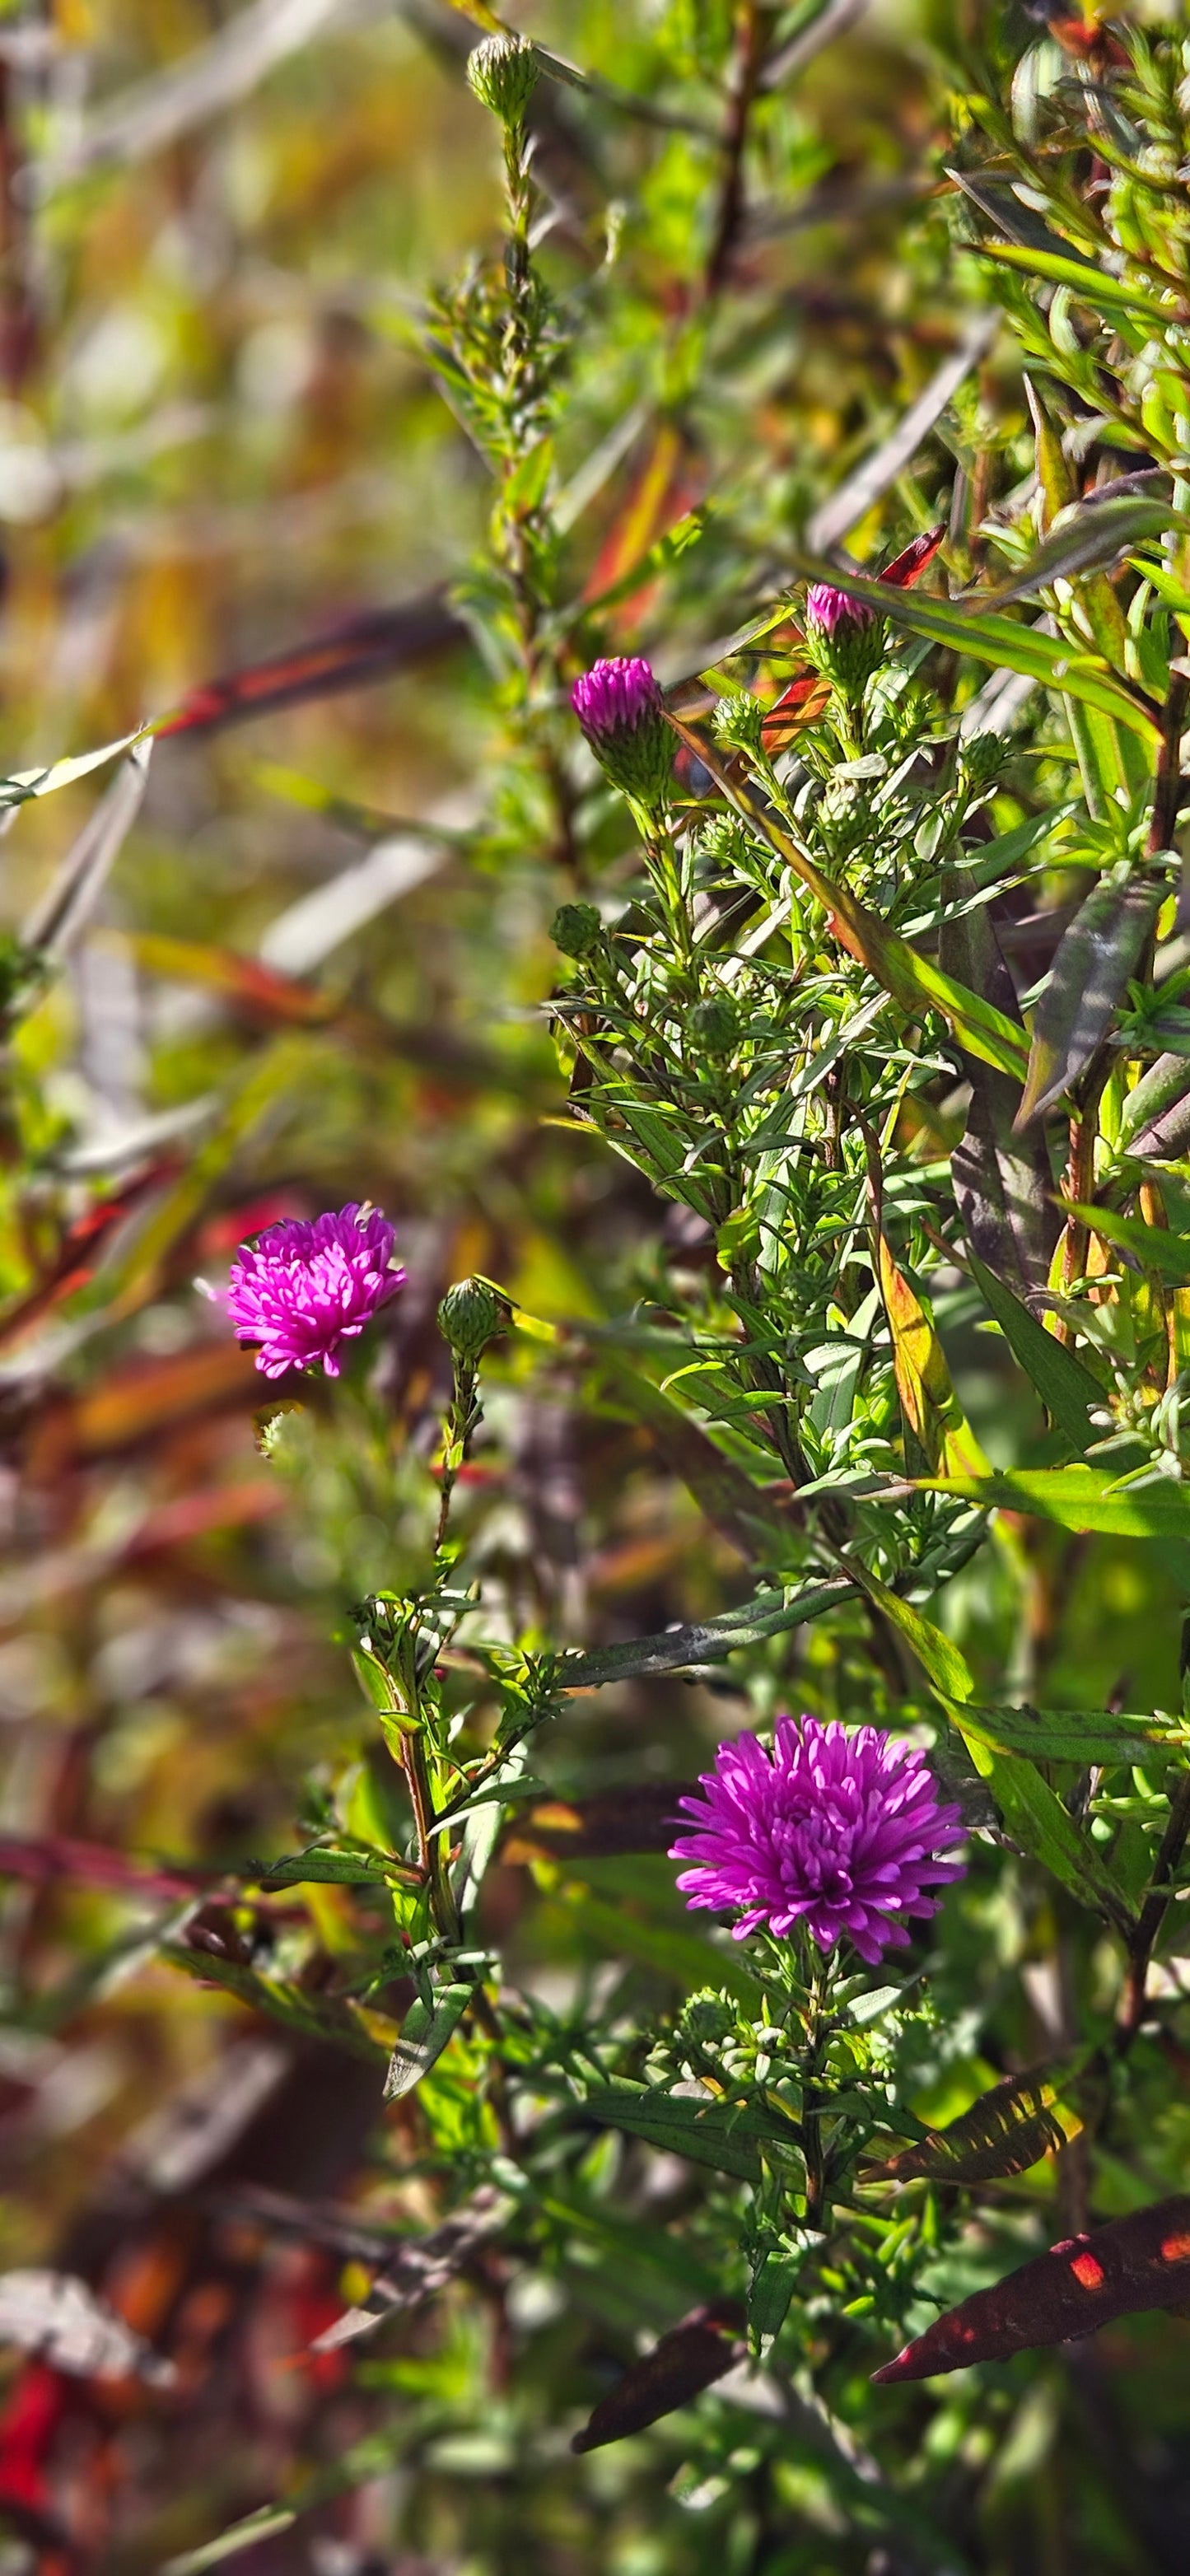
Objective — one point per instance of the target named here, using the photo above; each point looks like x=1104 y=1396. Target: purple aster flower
x=844 y=638
x=303 y=1288
x=839 y=1831
x=622 y=713
x=828 y=609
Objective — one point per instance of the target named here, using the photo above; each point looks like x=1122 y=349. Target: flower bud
x=471 y=1315
x=622 y=713
x=738 y=723
x=714 y=1024
x=708 y=2017
x=981 y=758
x=845 y=638
x=502 y=72
x=576 y=929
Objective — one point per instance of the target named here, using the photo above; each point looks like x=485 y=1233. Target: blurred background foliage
x=222 y=452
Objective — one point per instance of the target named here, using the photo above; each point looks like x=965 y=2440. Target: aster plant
x=857 y=823
x=785 y=869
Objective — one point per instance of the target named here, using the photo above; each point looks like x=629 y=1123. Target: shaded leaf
x=1066 y=1388
x=1134 y=2263
x=1155 y=1122
x=737 y=1508
x=707 y=1642
x=1096 y=956
x=345 y=2025
x=688 y=2359
x=424 y=2034
x=1002 y=1183
x=60 y=2318
x=422 y=2266
x=727 y=2136
x=640 y=1817
x=1010 y=2128
x=1079 y=1735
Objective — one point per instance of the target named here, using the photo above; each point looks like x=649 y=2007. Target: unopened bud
x=738 y=723
x=471 y=1315
x=622 y=713
x=708 y=2017
x=982 y=758
x=845 y=638
x=502 y=72
x=576 y=929
x=714 y=1024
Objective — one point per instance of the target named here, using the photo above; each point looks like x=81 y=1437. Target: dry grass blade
x=879 y=471
x=69 y=901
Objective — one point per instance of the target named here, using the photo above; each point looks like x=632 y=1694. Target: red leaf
x=688 y=2359
x=906 y=569
x=364 y=648
x=1142 y=2261
x=806 y=698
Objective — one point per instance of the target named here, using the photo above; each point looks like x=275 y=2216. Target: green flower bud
x=981 y=758
x=714 y=1024
x=471 y=1315
x=738 y=723
x=576 y=929
x=503 y=72
x=708 y=2017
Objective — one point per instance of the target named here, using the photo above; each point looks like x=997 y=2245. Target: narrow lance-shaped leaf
x=1078 y=1498
x=424 y=2034
x=1152 y=1247
x=706 y=1642
x=1134 y=2263
x=688 y=2359
x=1066 y=1388
x=1036 y=1819
x=1008 y=2129
x=1082 y=1735
x=727 y=2136
x=1088 y=978
x=1002 y=1183
x=934 y=1418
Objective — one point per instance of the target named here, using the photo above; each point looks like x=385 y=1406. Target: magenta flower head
x=844 y=637
x=302 y=1288
x=841 y=1832
x=622 y=713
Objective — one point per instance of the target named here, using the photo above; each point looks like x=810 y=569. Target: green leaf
x=1096 y=286
x=1078 y=1498
x=424 y=2034
x=1155 y=1248
x=683 y=1649
x=1087 y=537
x=322 y=1867
x=1074 y=1735
x=1036 y=1818
x=1066 y=1388
x=1095 y=958
x=728 y=2137
x=340 y=2023
x=941 y=1661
